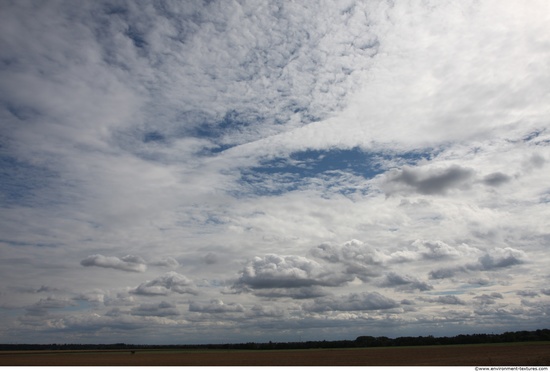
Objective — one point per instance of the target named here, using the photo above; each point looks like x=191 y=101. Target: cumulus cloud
x=166 y=284
x=366 y=301
x=405 y=282
x=502 y=257
x=274 y=271
x=126 y=263
x=360 y=259
x=436 y=250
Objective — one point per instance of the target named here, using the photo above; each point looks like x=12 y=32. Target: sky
x=251 y=171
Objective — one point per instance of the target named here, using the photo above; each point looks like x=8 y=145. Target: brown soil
x=463 y=355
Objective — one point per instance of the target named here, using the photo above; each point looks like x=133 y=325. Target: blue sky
x=234 y=171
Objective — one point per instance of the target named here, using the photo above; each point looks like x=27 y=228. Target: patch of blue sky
x=340 y=170
x=232 y=121
x=153 y=136
x=136 y=36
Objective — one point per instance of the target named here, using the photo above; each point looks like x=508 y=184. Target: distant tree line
x=361 y=341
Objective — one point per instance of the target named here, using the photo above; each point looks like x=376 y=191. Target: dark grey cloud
x=126 y=263
x=527 y=293
x=493 y=259
x=501 y=258
x=536 y=161
x=496 y=179
x=427 y=182
x=170 y=282
x=41 y=307
x=488 y=299
x=275 y=271
x=446 y=272
x=260 y=310
x=295 y=293
x=216 y=306
x=446 y=300
x=405 y=282
x=353 y=302
x=163 y=309
x=545 y=291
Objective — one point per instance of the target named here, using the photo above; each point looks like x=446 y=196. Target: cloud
x=428 y=181
x=210 y=258
x=169 y=262
x=498 y=258
x=527 y=293
x=274 y=271
x=486 y=299
x=216 y=306
x=446 y=272
x=366 y=301
x=41 y=307
x=295 y=293
x=493 y=259
x=436 y=250
x=166 y=284
x=163 y=309
x=126 y=263
x=405 y=282
x=446 y=300
x=260 y=310
x=360 y=259
x=496 y=179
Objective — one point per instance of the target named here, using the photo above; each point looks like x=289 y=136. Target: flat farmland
x=522 y=354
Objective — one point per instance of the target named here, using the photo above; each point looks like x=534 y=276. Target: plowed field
x=464 y=355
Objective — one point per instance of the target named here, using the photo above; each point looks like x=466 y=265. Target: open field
x=524 y=354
